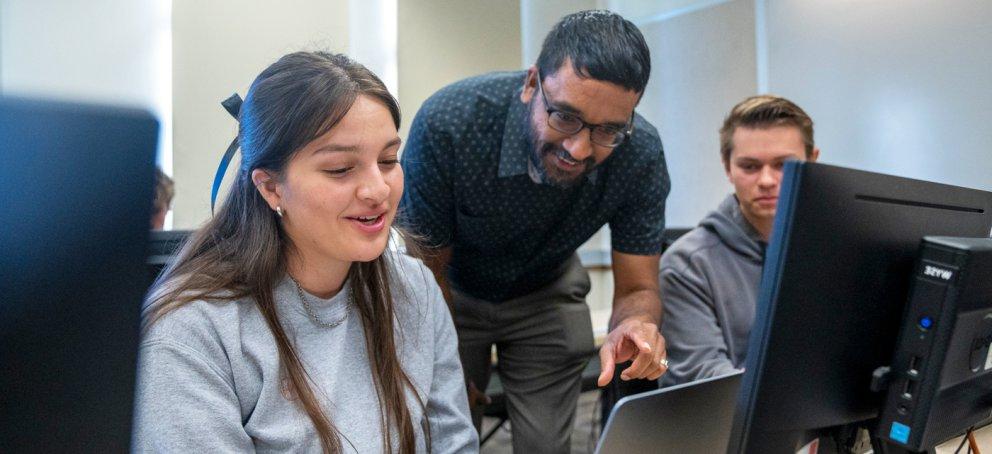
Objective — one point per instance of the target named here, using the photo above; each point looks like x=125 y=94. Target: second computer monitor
x=834 y=285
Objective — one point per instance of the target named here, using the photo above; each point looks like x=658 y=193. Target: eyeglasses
x=602 y=135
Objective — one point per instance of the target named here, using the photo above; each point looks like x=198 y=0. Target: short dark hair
x=600 y=44
x=765 y=111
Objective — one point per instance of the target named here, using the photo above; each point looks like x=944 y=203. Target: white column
x=373 y=27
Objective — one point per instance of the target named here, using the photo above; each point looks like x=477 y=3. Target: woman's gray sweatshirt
x=709 y=284
x=209 y=377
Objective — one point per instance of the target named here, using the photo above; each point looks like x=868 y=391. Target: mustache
x=552 y=149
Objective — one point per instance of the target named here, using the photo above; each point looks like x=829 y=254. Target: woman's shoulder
x=199 y=324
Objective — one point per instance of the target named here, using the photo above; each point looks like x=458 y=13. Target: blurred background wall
x=894 y=86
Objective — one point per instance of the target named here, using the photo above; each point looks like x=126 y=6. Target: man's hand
x=635 y=338
x=636 y=312
x=477 y=398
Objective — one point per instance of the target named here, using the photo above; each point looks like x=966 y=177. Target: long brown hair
x=241 y=252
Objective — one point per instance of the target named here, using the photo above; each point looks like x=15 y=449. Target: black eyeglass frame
x=620 y=136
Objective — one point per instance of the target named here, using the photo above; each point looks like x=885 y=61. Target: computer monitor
x=163 y=245
x=76 y=183
x=833 y=289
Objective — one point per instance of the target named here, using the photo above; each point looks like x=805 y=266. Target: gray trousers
x=543 y=342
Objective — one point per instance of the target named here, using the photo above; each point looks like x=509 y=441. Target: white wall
x=219 y=46
x=100 y=50
x=373 y=29
x=898 y=86
x=536 y=19
x=104 y=51
x=442 y=41
x=702 y=63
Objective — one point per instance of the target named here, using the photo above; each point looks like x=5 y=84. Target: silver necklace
x=313 y=315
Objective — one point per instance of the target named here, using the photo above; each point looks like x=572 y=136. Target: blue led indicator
x=926 y=322
x=899 y=432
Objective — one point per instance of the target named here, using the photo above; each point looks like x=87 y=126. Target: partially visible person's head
x=591 y=73
x=164 y=191
x=319 y=183
x=757 y=137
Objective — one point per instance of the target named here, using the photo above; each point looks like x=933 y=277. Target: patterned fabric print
x=467 y=186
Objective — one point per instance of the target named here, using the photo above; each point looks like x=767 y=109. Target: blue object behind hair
x=233 y=106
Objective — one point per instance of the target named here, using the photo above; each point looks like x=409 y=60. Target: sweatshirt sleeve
x=185 y=403
x=695 y=343
x=447 y=405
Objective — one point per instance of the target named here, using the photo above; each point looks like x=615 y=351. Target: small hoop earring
x=279 y=211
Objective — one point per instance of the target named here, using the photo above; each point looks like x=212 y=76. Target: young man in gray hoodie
x=709 y=278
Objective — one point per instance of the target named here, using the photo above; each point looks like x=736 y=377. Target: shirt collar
x=516 y=145
x=514 y=155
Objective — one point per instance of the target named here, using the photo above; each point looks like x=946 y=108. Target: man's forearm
x=640 y=304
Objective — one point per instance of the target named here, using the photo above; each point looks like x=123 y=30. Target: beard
x=542 y=163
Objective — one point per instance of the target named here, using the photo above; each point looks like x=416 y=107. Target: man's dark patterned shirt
x=467 y=186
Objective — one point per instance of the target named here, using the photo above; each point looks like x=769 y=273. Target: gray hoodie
x=709 y=284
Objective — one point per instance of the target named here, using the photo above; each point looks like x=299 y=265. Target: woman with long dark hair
x=285 y=323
